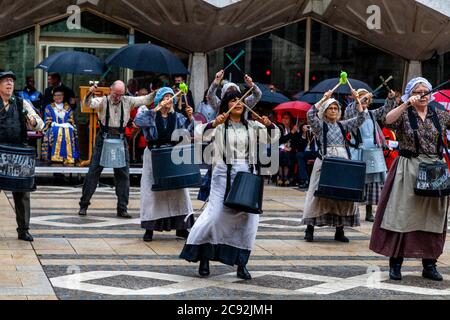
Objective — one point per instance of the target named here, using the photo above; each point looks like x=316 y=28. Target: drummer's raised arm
x=147 y=100
x=32 y=114
x=94 y=103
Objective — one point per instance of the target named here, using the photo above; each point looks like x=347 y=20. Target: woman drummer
x=163 y=210
x=220 y=233
x=368 y=136
x=324 y=120
x=407 y=225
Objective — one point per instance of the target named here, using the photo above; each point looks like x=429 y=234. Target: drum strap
x=415 y=126
x=229 y=165
x=344 y=135
x=105 y=128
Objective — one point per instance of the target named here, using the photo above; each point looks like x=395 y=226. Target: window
x=17 y=55
x=277 y=58
x=333 y=51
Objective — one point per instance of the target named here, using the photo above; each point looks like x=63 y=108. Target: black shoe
x=430 y=272
x=123 y=214
x=303 y=185
x=340 y=235
x=182 y=233
x=309 y=234
x=395 y=268
x=369 y=214
x=203 y=268
x=243 y=273
x=395 y=273
x=148 y=236
x=25 y=236
x=82 y=212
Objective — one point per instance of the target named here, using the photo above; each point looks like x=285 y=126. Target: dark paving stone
x=283 y=222
x=76 y=220
x=130 y=282
x=280 y=282
x=418 y=281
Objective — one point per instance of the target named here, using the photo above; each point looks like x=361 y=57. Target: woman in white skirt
x=172 y=209
x=324 y=119
x=220 y=233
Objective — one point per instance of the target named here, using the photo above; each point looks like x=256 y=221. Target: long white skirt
x=156 y=205
x=226 y=234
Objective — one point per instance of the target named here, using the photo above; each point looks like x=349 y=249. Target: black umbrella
x=147 y=57
x=74 y=62
x=329 y=84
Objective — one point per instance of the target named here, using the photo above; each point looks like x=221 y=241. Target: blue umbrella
x=310 y=97
x=74 y=62
x=329 y=84
x=147 y=57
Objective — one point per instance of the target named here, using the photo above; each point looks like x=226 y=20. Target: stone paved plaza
x=102 y=257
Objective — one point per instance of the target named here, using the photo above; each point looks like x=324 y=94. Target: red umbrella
x=443 y=98
x=297 y=109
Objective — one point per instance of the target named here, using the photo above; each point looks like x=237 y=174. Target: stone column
x=414 y=70
x=198 y=69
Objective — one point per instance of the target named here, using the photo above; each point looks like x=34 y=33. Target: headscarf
x=228 y=86
x=162 y=92
x=412 y=84
x=364 y=91
x=326 y=105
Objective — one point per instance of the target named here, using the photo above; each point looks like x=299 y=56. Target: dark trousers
x=302 y=161
x=23 y=211
x=121 y=177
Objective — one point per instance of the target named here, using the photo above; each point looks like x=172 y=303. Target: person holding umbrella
x=113 y=114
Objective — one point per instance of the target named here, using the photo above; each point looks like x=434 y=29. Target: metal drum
x=113 y=154
x=246 y=193
x=175 y=168
x=432 y=180
x=17 y=165
x=342 y=179
x=374 y=159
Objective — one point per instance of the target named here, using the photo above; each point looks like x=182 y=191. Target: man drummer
x=15 y=115
x=116 y=101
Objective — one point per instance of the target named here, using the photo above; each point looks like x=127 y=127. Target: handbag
x=432 y=178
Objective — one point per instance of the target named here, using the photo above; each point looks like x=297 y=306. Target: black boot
x=148 y=236
x=122 y=213
x=82 y=212
x=182 y=233
x=243 y=273
x=203 y=268
x=369 y=213
x=340 y=235
x=25 y=236
x=309 y=233
x=395 y=268
x=430 y=271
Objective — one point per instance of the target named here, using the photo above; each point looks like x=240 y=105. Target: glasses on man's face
x=8 y=80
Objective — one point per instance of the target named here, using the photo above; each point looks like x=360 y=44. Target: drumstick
x=351 y=88
x=251 y=110
x=239 y=101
